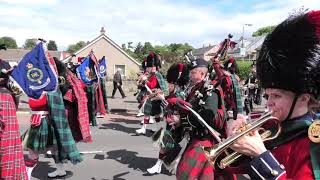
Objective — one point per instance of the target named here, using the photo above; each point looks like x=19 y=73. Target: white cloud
x=159 y=22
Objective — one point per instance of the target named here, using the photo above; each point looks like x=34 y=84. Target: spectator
x=117 y=83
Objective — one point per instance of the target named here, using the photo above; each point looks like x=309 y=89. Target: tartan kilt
x=140 y=95
x=90 y=92
x=170 y=144
x=152 y=108
x=66 y=147
x=104 y=92
x=41 y=137
x=72 y=115
x=12 y=165
x=147 y=107
x=194 y=164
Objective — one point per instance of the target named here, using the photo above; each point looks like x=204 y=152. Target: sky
x=157 y=21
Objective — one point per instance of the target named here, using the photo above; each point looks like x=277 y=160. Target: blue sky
x=157 y=21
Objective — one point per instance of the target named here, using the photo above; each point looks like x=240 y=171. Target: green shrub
x=244 y=68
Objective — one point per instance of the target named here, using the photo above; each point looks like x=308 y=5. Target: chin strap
x=293 y=105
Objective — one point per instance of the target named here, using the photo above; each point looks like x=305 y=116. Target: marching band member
x=204 y=99
x=177 y=78
x=49 y=128
x=12 y=165
x=155 y=81
x=288 y=67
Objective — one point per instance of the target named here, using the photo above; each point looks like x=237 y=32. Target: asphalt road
x=115 y=153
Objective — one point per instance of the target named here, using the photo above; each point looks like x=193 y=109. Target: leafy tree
x=123 y=46
x=9 y=42
x=147 y=48
x=75 y=47
x=30 y=43
x=161 y=49
x=52 y=46
x=263 y=31
x=138 y=49
x=129 y=45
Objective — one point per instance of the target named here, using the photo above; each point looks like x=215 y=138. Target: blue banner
x=87 y=71
x=34 y=75
x=102 y=67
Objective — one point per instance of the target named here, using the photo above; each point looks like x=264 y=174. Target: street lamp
x=243 y=32
x=242 y=44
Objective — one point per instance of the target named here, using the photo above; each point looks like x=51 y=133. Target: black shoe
x=123 y=97
x=112 y=97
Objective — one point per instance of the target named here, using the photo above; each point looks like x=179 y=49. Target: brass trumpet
x=212 y=153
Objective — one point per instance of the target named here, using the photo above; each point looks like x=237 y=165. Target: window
x=122 y=69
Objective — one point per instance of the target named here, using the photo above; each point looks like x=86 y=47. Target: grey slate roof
x=15 y=55
x=202 y=51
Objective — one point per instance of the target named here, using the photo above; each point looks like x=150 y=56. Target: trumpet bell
x=215 y=152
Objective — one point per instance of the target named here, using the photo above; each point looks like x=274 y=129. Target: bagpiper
x=155 y=81
x=12 y=165
x=170 y=136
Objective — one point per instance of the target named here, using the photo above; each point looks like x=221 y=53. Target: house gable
x=102 y=36
x=115 y=56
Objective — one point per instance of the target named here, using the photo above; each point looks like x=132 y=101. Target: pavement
x=115 y=153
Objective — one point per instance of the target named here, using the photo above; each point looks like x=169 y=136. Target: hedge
x=244 y=68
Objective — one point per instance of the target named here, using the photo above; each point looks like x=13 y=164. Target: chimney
x=102 y=31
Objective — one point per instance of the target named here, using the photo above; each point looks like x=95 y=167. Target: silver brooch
x=201 y=102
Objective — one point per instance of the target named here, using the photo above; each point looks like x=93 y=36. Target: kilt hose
x=12 y=166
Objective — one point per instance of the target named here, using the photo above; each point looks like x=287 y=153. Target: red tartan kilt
x=12 y=165
x=194 y=164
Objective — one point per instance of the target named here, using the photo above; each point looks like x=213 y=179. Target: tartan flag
x=102 y=67
x=34 y=74
x=87 y=71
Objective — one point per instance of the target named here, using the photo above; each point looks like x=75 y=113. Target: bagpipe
x=221 y=55
x=142 y=76
x=224 y=47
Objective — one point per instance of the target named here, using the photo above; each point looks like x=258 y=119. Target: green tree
x=129 y=45
x=138 y=49
x=9 y=42
x=75 y=47
x=161 y=49
x=147 y=48
x=123 y=46
x=263 y=31
x=30 y=43
x=52 y=45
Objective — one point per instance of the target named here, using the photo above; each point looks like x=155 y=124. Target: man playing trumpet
x=288 y=67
